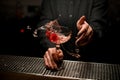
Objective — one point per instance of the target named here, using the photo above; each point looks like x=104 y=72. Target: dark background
x=17 y=15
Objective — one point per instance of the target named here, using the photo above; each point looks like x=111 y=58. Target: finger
x=80 y=22
x=90 y=33
x=83 y=29
x=55 y=57
x=82 y=19
x=47 y=60
x=53 y=63
x=82 y=38
x=53 y=52
x=86 y=38
x=60 y=54
x=78 y=41
x=81 y=42
x=85 y=34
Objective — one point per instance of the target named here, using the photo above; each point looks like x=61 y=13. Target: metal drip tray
x=32 y=68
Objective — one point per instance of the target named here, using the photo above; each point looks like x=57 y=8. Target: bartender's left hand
x=85 y=32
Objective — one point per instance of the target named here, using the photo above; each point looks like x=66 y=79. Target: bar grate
x=73 y=70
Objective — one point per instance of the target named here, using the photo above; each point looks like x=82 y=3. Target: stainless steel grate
x=73 y=70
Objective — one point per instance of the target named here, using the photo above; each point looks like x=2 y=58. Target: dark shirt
x=67 y=12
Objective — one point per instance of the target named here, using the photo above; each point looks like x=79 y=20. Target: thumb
x=80 y=22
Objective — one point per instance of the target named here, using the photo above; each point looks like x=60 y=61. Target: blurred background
x=18 y=19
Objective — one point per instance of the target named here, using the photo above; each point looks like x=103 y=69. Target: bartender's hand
x=52 y=56
x=85 y=32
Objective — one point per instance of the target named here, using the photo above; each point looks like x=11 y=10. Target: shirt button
x=60 y=15
x=70 y=15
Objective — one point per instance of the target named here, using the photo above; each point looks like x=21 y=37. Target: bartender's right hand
x=51 y=57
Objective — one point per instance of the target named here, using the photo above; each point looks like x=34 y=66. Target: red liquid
x=57 y=38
